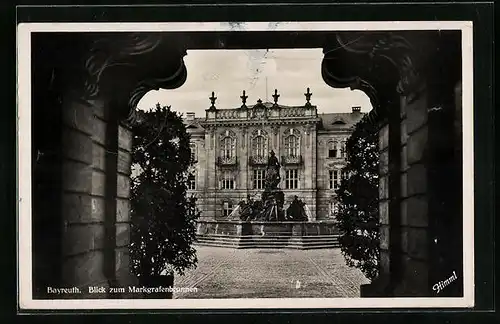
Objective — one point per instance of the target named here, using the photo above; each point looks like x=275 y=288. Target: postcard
x=245 y=165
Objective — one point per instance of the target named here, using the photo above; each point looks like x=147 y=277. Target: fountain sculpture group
x=263 y=223
x=270 y=207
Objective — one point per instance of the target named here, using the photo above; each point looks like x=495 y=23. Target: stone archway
x=86 y=94
x=410 y=79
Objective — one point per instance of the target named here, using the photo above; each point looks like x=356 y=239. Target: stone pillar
x=307 y=158
x=124 y=159
x=95 y=198
x=89 y=211
x=201 y=170
x=243 y=156
x=413 y=206
x=83 y=195
x=430 y=196
x=314 y=174
x=210 y=174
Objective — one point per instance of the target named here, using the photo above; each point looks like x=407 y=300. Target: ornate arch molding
x=393 y=64
x=384 y=65
x=120 y=67
x=145 y=61
x=259 y=132
x=227 y=133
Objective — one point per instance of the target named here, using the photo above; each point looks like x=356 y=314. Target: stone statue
x=272 y=172
x=272 y=197
x=270 y=206
x=296 y=210
x=272 y=161
x=246 y=209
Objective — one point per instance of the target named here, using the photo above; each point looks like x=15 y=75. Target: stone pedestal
x=259 y=234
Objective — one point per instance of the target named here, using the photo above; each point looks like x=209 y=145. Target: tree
x=162 y=216
x=358 y=214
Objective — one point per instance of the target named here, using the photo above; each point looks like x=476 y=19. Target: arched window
x=292 y=145
x=228 y=147
x=259 y=146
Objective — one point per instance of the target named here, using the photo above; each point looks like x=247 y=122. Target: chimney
x=190 y=116
x=356 y=109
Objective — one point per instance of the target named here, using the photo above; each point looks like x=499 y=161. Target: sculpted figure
x=272 y=172
x=296 y=210
x=245 y=210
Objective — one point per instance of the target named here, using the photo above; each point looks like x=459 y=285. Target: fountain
x=265 y=223
x=270 y=208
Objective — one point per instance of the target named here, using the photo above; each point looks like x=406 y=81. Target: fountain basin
x=265 y=234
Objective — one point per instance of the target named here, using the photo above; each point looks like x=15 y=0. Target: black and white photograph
x=245 y=165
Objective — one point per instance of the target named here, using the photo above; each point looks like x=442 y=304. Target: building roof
x=193 y=126
x=336 y=121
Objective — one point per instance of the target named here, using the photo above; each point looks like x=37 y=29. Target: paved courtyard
x=270 y=273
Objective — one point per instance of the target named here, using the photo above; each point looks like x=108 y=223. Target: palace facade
x=231 y=148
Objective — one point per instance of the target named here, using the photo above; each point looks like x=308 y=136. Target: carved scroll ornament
x=128 y=65
x=377 y=63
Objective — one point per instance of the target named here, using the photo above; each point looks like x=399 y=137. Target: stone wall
x=419 y=216
x=414 y=198
x=403 y=208
x=95 y=205
x=83 y=196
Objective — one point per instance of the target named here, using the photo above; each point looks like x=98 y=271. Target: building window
x=191 y=182
x=227 y=181
x=292 y=145
x=334 y=179
x=194 y=157
x=332 y=150
x=227 y=208
x=228 y=147
x=259 y=177
x=292 y=179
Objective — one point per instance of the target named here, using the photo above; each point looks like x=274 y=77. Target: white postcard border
x=26 y=301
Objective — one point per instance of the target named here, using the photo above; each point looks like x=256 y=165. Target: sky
x=229 y=72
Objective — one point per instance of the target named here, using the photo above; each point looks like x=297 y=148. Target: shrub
x=162 y=216
x=358 y=214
